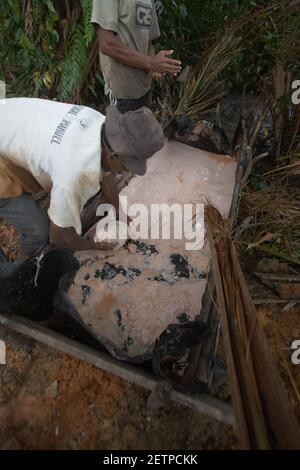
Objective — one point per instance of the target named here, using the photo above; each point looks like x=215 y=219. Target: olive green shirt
x=136 y=25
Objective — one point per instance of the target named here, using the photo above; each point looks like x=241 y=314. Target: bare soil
x=52 y=401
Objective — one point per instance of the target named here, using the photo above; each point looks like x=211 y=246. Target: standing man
x=126 y=29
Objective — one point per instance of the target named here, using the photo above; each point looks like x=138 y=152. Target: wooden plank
x=203 y=403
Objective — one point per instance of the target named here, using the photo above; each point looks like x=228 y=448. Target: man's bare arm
x=67 y=238
x=110 y=191
x=111 y=194
x=111 y=46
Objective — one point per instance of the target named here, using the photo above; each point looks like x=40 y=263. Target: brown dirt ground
x=50 y=400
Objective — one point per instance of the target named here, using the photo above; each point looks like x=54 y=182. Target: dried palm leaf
x=279 y=80
x=264 y=416
x=204 y=87
x=292 y=131
x=287 y=170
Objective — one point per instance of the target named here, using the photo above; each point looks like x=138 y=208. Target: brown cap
x=134 y=136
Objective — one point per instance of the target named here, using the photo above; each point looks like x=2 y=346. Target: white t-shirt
x=60 y=145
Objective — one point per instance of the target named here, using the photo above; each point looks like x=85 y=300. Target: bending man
x=69 y=151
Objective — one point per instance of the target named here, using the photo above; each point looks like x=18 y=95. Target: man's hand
x=67 y=238
x=158 y=76
x=105 y=246
x=162 y=63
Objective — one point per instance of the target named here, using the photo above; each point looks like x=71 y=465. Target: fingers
x=162 y=63
x=106 y=246
x=103 y=246
x=172 y=69
x=167 y=54
x=174 y=62
x=158 y=76
x=168 y=65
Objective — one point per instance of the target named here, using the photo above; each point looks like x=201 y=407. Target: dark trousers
x=132 y=105
x=26 y=216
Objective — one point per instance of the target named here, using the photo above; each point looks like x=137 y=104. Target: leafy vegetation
x=46 y=46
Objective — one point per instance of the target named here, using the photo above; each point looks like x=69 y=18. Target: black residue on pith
x=118 y=314
x=86 y=292
x=181 y=265
x=119 y=317
x=109 y=272
x=133 y=273
x=97 y=273
x=143 y=248
x=182 y=318
x=127 y=343
x=87 y=277
x=202 y=276
x=161 y=278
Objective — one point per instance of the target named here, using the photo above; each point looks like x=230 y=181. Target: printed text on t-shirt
x=65 y=123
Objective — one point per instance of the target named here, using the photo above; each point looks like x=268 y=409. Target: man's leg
x=26 y=216
x=132 y=105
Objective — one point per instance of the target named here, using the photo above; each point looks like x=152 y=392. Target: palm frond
x=89 y=30
x=205 y=87
x=74 y=65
